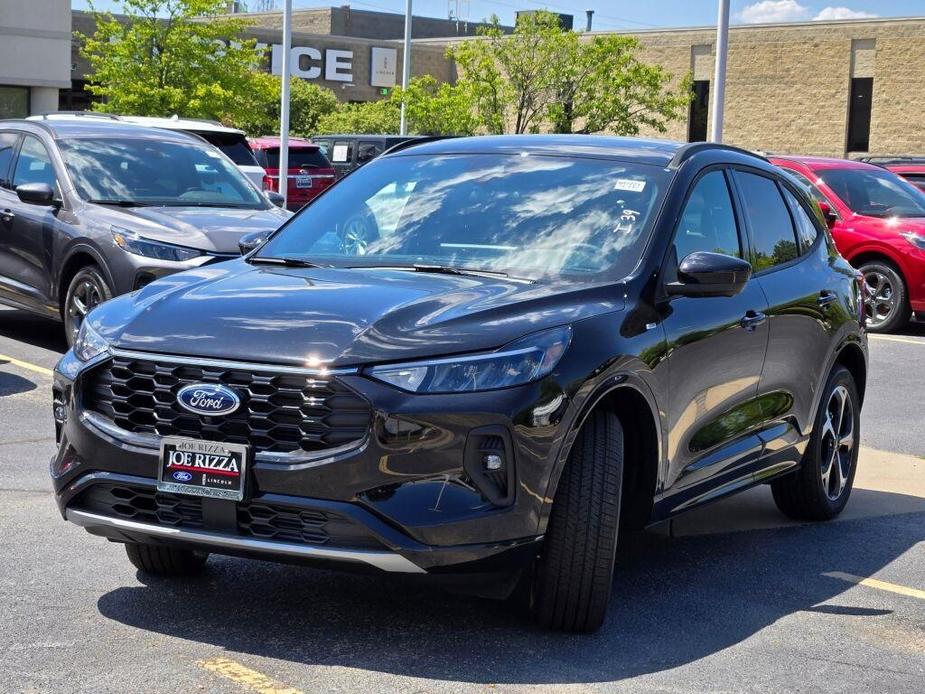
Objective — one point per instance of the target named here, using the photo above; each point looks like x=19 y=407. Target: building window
x=697 y=121
x=14 y=102
x=77 y=98
x=862 y=93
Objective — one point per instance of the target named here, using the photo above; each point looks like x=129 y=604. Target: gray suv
x=92 y=208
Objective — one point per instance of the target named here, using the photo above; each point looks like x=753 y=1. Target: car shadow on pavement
x=676 y=600
x=34 y=330
x=11 y=384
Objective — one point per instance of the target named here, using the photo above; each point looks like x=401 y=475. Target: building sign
x=306 y=62
x=383 y=66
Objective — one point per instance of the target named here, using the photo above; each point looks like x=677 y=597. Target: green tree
x=542 y=76
x=171 y=56
x=368 y=117
x=438 y=109
x=308 y=104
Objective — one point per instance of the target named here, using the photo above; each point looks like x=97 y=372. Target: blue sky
x=632 y=15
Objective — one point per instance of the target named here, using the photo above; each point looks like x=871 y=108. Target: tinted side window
x=33 y=164
x=708 y=222
x=772 y=229
x=368 y=150
x=7 y=145
x=806 y=230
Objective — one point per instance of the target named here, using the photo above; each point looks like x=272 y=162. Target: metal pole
x=719 y=76
x=284 y=104
x=405 y=67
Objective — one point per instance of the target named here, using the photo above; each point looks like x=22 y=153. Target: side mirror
x=830 y=216
x=276 y=198
x=36 y=193
x=710 y=274
x=250 y=241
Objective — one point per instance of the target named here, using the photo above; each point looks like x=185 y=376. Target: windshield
x=143 y=171
x=875 y=193
x=299 y=158
x=528 y=216
x=233 y=145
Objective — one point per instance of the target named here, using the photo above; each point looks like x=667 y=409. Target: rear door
x=792 y=265
x=9 y=143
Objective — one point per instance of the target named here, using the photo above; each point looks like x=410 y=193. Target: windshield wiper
x=452 y=270
x=120 y=203
x=287 y=261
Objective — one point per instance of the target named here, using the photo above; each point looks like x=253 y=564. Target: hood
x=338 y=317
x=214 y=229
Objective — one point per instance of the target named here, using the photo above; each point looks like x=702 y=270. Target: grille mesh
x=279 y=413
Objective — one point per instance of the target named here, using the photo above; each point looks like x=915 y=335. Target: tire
x=158 y=560
x=87 y=289
x=573 y=576
x=886 y=301
x=812 y=492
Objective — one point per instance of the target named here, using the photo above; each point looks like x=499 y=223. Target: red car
x=310 y=172
x=878 y=223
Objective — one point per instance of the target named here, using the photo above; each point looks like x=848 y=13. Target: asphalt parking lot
x=729 y=598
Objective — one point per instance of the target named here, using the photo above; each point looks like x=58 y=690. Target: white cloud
x=773 y=11
x=842 y=13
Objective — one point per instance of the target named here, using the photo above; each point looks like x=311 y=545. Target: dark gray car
x=91 y=208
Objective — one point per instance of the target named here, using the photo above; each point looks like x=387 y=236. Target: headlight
x=89 y=343
x=139 y=245
x=916 y=240
x=519 y=362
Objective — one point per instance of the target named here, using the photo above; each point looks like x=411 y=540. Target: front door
x=716 y=352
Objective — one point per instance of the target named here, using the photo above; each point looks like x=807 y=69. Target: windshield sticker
x=626 y=223
x=629 y=184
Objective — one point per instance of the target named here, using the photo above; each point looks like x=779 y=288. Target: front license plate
x=303 y=181
x=202 y=468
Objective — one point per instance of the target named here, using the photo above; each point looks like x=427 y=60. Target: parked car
x=910 y=168
x=878 y=222
x=91 y=208
x=310 y=172
x=546 y=340
x=347 y=152
x=232 y=142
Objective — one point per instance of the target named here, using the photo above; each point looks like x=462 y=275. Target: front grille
x=258 y=519
x=279 y=413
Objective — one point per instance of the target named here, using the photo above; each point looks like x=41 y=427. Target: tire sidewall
x=92 y=273
x=901 y=311
x=813 y=456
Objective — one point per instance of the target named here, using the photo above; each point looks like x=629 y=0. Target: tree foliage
x=368 y=117
x=438 y=109
x=171 y=56
x=308 y=104
x=543 y=77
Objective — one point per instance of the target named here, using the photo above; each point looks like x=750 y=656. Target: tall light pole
x=284 y=104
x=405 y=67
x=719 y=75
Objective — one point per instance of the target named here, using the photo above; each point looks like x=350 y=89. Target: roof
x=650 y=151
x=101 y=127
x=177 y=123
x=368 y=136
x=820 y=163
x=268 y=142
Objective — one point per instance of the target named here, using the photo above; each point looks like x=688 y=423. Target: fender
x=586 y=399
x=879 y=248
x=81 y=247
x=847 y=338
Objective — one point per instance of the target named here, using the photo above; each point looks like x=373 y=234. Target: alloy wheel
x=356 y=236
x=86 y=295
x=838 y=442
x=880 y=299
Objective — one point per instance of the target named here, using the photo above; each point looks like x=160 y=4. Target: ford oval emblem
x=208 y=399
x=182 y=476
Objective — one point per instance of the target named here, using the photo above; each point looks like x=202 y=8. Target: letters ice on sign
x=305 y=62
x=383 y=67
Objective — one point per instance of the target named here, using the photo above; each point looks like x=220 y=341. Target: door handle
x=826 y=297
x=752 y=319
x=7 y=215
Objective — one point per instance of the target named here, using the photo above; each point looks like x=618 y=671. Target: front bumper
x=404 y=490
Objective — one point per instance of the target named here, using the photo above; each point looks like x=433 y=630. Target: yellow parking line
x=890 y=338
x=256 y=681
x=879 y=585
x=25 y=365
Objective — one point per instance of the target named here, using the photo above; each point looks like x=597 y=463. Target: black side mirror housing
x=250 y=241
x=703 y=273
x=276 y=198
x=36 y=194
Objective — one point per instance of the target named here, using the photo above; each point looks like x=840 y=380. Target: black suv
x=546 y=340
x=92 y=207
x=348 y=152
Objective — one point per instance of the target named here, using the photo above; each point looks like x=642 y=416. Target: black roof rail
x=689 y=150
x=415 y=140
x=83 y=114
x=897 y=159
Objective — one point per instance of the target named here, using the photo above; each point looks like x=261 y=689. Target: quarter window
x=7 y=145
x=806 y=230
x=708 y=222
x=33 y=165
x=773 y=236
